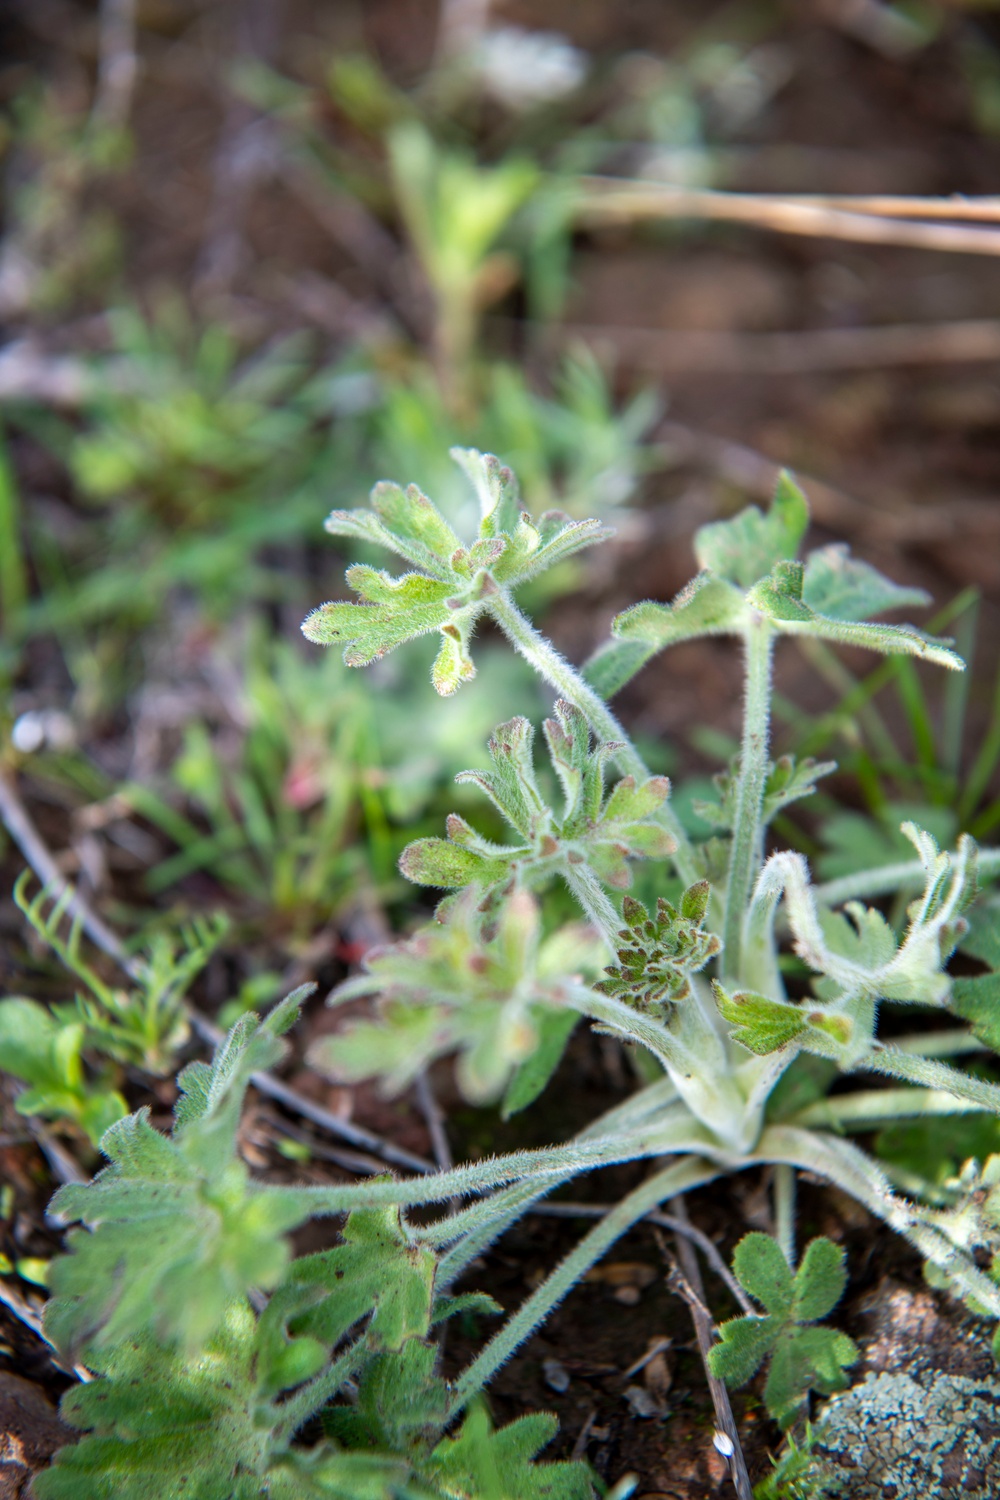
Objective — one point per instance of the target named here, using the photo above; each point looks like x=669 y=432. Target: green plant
x=801 y=1355
x=796 y=1475
x=62 y=244
x=143 y=1026
x=455 y=211
x=184 y=1264
x=198 y=1392
x=725 y=1047
x=312 y=802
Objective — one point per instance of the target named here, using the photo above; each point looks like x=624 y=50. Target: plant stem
x=870 y=1108
x=850 y=1169
x=745 y=858
x=677 y=1178
x=569 y=684
x=907 y=875
x=784 y=1210
x=596 y=906
x=300 y=1407
x=552 y=1164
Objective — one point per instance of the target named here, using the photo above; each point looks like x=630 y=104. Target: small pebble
x=642 y=1402
x=556 y=1375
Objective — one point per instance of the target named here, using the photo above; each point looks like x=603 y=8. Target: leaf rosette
x=592 y=831
x=486 y=988
x=453 y=581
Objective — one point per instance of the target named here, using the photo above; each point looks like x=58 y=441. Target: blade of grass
x=984 y=766
x=13 y=569
x=957 y=685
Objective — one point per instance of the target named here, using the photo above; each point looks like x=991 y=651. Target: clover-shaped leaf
x=803 y=1356
x=600 y=832
x=479 y=984
x=750 y=571
x=660 y=953
x=455 y=582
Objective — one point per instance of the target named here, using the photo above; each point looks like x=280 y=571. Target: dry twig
x=26 y=1314
x=610 y=200
x=796 y=352
x=118 y=63
x=688 y=1282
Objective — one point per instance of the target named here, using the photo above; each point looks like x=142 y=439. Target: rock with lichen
x=893 y=1438
x=924 y=1423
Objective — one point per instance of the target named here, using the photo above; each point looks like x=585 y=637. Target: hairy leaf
x=474 y=982
x=747 y=547
x=803 y=1356
x=659 y=954
x=601 y=832
x=176 y=1229
x=455 y=582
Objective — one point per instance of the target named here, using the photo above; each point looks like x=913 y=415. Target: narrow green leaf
x=440 y=863
x=554 y=1028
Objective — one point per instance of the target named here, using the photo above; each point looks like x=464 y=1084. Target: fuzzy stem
x=550 y=1165
x=850 y=1169
x=784 y=1210
x=745 y=858
x=596 y=906
x=908 y=875
x=314 y=1395
x=934 y=1075
x=569 y=684
x=870 y=1108
x=674 y=1179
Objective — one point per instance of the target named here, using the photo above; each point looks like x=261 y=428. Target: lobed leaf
x=747 y=547
x=176 y=1230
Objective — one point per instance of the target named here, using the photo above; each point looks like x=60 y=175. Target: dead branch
x=690 y=1282
x=609 y=200
x=673 y=351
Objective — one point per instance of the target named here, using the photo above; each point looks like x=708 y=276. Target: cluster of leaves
x=749 y=568
x=486 y=986
x=788 y=780
x=803 y=1357
x=142 y=1026
x=593 y=831
x=659 y=954
x=455 y=582
x=198 y=1392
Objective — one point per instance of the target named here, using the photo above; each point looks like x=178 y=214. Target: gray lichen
x=923 y=1422
x=891 y=1438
